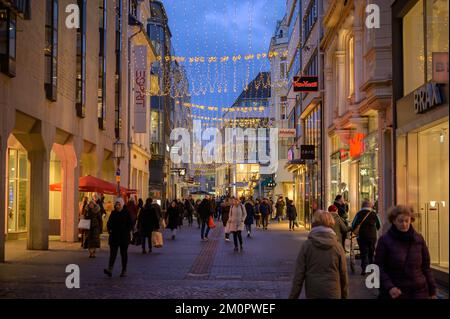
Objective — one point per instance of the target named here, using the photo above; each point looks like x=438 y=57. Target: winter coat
x=189 y=208
x=322 y=266
x=119 y=228
x=249 y=208
x=368 y=228
x=280 y=208
x=340 y=228
x=133 y=210
x=225 y=213
x=291 y=212
x=173 y=217
x=342 y=210
x=404 y=262
x=148 y=221
x=237 y=218
x=264 y=209
x=180 y=207
x=94 y=232
x=204 y=210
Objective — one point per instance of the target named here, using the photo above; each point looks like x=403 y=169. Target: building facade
x=62 y=110
x=421 y=112
x=357 y=106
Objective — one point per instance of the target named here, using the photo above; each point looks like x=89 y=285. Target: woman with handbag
x=404 y=260
x=93 y=213
x=236 y=221
x=365 y=227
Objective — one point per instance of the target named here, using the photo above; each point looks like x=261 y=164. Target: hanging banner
x=140 y=89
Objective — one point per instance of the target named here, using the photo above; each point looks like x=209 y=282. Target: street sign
x=306 y=84
x=308 y=152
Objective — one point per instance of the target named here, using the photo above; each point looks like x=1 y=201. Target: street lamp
x=119 y=154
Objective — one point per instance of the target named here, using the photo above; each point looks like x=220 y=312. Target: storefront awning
x=90 y=184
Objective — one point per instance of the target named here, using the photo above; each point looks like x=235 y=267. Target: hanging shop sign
x=140 y=89
x=343 y=154
x=440 y=67
x=427 y=97
x=308 y=152
x=287 y=132
x=306 y=83
x=357 y=145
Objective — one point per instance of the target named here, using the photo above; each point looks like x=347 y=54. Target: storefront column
x=38 y=143
x=69 y=155
x=385 y=166
x=358 y=62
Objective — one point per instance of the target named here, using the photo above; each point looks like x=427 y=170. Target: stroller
x=354 y=252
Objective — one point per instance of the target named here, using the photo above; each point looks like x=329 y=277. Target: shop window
x=425 y=60
x=51 y=49
x=8 y=33
x=18 y=186
x=309 y=20
x=81 y=62
x=101 y=101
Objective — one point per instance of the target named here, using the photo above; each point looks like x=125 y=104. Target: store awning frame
x=90 y=184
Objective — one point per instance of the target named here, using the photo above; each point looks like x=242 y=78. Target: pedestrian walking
x=340 y=228
x=205 y=213
x=132 y=209
x=189 y=212
x=197 y=212
x=291 y=214
x=119 y=229
x=321 y=263
x=225 y=208
x=250 y=218
x=181 y=212
x=81 y=211
x=148 y=222
x=404 y=259
x=236 y=222
x=257 y=213
x=264 y=208
x=365 y=226
x=94 y=214
x=279 y=207
x=343 y=213
x=173 y=215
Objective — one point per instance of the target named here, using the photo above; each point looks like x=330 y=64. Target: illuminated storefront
x=422 y=126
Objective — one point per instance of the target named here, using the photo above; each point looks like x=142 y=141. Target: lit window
x=8 y=29
x=51 y=49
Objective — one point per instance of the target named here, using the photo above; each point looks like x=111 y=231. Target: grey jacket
x=321 y=266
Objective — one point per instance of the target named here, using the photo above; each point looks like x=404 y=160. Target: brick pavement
x=185 y=268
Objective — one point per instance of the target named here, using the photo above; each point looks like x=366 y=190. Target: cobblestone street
x=184 y=268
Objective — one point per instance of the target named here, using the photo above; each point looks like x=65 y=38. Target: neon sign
x=357 y=145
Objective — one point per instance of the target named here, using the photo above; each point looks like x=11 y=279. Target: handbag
x=211 y=223
x=84 y=224
x=157 y=239
x=357 y=228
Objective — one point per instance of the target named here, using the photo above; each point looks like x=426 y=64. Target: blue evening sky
x=222 y=28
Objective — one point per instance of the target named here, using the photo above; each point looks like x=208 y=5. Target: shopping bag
x=84 y=224
x=157 y=239
x=211 y=223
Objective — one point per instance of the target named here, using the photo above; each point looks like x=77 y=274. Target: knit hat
x=119 y=200
x=332 y=209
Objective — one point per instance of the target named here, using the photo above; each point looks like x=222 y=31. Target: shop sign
x=306 y=84
x=140 y=90
x=357 y=145
x=427 y=97
x=307 y=152
x=343 y=154
x=287 y=132
x=440 y=67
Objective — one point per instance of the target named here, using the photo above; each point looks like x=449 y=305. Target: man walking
x=205 y=212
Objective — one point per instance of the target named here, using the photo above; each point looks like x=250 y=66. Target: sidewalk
x=183 y=268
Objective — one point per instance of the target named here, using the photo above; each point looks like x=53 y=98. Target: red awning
x=90 y=184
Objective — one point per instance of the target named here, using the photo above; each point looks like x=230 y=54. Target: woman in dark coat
x=94 y=214
x=119 y=229
x=173 y=218
x=291 y=212
x=226 y=205
x=148 y=222
x=404 y=260
x=181 y=210
x=250 y=218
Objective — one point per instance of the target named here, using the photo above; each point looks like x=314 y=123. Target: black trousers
x=265 y=220
x=123 y=254
x=190 y=219
x=143 y=237
x=367 y=251
x=237 y=235
x=291 y=224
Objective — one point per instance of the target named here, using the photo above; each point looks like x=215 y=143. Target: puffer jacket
x=404 y=262
x=322 y=266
